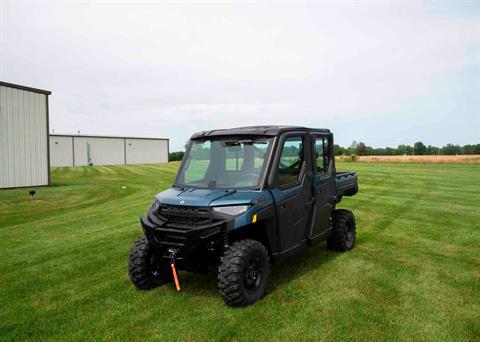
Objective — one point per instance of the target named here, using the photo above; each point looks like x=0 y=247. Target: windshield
x=225 y=163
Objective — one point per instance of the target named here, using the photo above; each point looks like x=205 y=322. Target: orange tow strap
x=175 y=278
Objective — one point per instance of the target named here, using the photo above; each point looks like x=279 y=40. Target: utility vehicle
x=243 y=199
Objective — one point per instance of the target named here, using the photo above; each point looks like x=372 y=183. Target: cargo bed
x=346 y=183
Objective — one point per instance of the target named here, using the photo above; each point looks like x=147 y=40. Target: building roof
x=269 y=130
x=103 y=136
x=17 y=86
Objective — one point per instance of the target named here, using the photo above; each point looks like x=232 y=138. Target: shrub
x=351 y=158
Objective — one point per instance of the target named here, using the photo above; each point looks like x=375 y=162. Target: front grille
x=184 y=216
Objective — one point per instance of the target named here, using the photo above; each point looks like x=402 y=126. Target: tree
x=432 y=150
x=389 y=151
x=468 y=149
x=471 y=149
x=339 y=150
x=174 y=156
x=361 y=149
x=476 y=149
x=451 y=149
x=404 y=149
x=419 y=148
x=379 y=151
x=369 y=151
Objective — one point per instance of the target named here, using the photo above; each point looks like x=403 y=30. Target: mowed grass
x=413 y=275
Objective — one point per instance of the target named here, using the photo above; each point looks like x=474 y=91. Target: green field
x=414 y=274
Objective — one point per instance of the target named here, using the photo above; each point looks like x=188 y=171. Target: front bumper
x=196 y=247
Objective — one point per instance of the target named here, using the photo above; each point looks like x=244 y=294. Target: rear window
x=322 y=154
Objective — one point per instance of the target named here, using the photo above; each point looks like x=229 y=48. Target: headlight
x=233 y=210
x=155 y=204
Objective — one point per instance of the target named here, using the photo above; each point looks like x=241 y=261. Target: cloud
x=170 y=70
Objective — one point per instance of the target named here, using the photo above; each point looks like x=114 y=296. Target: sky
x=384 y=73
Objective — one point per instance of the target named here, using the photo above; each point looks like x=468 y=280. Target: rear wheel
x=344 y=231
x=145 y=269
x=243 y=273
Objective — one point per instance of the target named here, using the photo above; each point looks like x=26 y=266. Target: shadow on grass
x=284 y=272
x=304 y=262
x=58 y=184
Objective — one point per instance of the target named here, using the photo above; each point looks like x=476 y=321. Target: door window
x=322 y=154
x=291 y=161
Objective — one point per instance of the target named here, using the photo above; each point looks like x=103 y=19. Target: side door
x=290 y=180
x=323 y=184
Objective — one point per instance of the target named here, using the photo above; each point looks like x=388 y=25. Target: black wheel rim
x=349 y=235
x=252 y=274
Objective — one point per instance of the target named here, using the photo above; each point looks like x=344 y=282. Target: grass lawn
x=414 y=274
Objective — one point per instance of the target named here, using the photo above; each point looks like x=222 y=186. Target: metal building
x=24 y=148
x=81 y=150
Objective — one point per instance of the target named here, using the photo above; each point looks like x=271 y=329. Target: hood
x=209 y=197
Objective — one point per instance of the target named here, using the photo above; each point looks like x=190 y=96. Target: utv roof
x=255 y=130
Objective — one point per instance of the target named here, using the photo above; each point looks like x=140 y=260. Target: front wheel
x=145 y=269
x=243 y=273
x=344 y=231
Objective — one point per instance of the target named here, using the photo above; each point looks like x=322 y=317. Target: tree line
x=174 y=156
x=419 y=148
x=361 y=149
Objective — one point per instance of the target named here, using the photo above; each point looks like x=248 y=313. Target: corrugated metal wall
x=61 y=151
x=23 y=138
x=74 y=150
x=143 y=151
x=103 y=151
